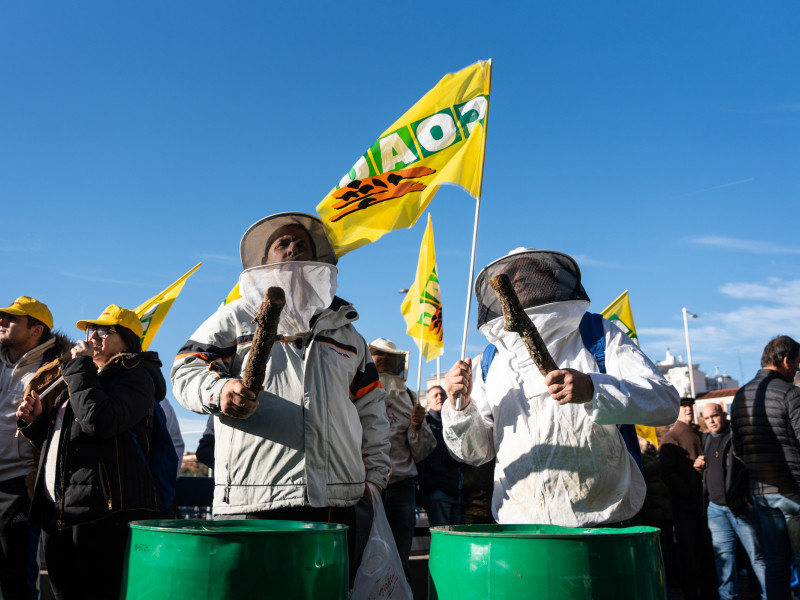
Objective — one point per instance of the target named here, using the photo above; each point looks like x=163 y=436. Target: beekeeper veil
x=538 y=276
x=309 y=285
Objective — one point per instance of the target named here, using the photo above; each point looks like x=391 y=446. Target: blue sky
x=657 y=143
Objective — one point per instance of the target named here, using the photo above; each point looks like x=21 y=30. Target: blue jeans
x=725 y=528
x=442 y=508
x=400 y=504
x=780 y=524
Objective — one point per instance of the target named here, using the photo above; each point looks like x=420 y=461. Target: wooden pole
x=266 y=320
x=517 y=321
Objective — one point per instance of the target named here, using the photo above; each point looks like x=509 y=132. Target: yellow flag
x=619 y=311
x=422 y=307
x=648 y=433
x=152 y=312
x=232 y=295
x=440 y=140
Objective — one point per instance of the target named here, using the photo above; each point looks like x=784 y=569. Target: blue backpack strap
x=594 y=338
x=487 y=358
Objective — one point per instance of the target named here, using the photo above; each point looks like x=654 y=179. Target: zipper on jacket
x=226 y=496
x=65 y=439
x=105 y=484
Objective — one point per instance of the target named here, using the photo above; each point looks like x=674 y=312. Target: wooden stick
x=266 y=320
x=516 y=320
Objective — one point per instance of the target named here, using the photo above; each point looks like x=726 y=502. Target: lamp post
x=686 y=316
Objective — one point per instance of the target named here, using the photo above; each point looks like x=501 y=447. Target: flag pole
x=419 y=374
x=474 y=239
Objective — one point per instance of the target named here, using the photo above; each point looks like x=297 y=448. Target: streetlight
x=686 y=316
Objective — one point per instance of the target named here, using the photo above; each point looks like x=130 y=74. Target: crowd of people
x=333 y=426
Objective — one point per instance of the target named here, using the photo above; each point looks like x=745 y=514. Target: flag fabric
x=152 y=312
x=619 y=311
x=234 y=294
x=440 y=140
x=422 y=306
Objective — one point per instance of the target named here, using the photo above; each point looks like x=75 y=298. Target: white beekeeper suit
x=556 y=464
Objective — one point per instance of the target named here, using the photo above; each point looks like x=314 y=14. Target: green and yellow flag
x=234 y=294
x=619 y=311
x=422 y=307
x=440 y=140
x=152 y=312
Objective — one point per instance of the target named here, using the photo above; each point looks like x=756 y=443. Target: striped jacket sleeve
x=368 y=395
x=205 y=363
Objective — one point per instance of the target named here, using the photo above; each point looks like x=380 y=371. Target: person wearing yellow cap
x=26 y=343
x=93 y=477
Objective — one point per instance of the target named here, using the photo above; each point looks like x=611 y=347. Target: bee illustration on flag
x=440 y=140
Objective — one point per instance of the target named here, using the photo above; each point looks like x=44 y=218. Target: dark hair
x=133 y=342
x=46 y=333
x=433 y=387
x=779 y=348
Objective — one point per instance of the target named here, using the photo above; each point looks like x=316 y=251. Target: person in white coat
x=560 y=458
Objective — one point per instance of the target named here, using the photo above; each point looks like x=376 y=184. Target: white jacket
x=320 y=429
x=17 y=455
x=408 y=446
x=561 y=465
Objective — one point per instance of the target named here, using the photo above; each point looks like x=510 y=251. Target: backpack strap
x=594 y=338
x=487 y=358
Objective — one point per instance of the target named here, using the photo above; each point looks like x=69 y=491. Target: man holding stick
x=560 y=458
x=306 y=445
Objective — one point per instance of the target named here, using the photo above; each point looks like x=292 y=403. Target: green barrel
x=204 y=560
x=545 y=562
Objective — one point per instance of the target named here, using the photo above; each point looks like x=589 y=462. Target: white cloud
x=716 y=187
x=220 y=258
x=769 y=308
x=774 y=290
x=584 y=260
x=752 y=246
x=100 y=279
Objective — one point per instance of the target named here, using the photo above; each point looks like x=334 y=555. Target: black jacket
x=100 y=470
x=765 y=422
x=737 y=491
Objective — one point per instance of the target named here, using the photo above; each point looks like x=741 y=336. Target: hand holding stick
x=516 y=320
x=266 y=320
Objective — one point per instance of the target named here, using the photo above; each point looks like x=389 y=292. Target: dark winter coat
x=439 y=470
x=737 y=491
x=765 y=422
x=656 y=507
x=100 y=469
x=677 y=453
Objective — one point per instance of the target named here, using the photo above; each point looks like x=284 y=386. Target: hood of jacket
x=149 y=361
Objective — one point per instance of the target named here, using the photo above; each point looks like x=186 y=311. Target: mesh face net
x=538 y=276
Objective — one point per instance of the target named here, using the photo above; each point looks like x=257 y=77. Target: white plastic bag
x=380 y=574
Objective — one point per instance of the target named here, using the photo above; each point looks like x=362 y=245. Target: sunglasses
x=102 y=332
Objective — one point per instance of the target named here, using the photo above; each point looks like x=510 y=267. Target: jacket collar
x=32 y=355
x=338 y=314
x=553 y=321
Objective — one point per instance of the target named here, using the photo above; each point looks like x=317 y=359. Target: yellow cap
x=32 y=308
x=114 y=315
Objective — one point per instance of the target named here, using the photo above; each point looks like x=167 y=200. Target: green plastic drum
x=203 y=560
x=545 y=562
